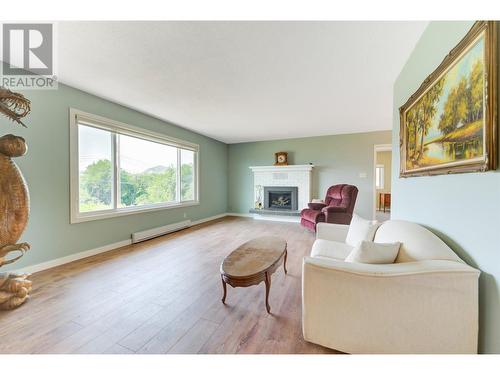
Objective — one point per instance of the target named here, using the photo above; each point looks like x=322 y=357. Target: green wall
x=46 y=169
x=463 y=209
x=337 y=159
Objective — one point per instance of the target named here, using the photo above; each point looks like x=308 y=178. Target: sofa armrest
x=419 y=307
x=331 y=232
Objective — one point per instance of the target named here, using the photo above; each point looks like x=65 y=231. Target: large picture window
x=379 y=176
x=118 y=169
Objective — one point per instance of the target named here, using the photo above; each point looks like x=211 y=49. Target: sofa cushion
x=417 y=243
x=312 y=215
x=330 y=249
x=374 y=253
x=361 y=230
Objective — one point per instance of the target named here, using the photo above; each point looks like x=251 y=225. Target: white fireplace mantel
x=286 y=175
x=283 y=168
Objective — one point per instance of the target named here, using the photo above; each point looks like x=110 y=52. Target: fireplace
x=280 y=198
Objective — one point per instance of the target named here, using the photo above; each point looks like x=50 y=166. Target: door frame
x=377 y=148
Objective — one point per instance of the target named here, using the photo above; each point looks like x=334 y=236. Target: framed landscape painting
x=449 y=124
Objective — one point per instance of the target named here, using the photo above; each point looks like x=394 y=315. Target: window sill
x=107 y=214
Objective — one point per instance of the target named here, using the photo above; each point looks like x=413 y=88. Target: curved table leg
x=284 y=262
x=268 y=286
x=225 y=290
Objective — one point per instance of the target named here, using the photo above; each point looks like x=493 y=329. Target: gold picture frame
x=449 y=125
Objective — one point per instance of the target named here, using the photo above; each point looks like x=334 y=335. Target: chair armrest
x=393 y=269
x=331 y=232
x=332 y=209
x=316 y=206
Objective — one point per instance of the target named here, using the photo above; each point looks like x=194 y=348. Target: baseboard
x=71 y=258
x=210 y=218
x=238 y=214
x=88 y=253
x=286 y=219
x=151 y=233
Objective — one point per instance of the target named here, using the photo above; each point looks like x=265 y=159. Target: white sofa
x=425 y=302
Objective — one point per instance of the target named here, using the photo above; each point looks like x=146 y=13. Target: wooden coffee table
x=253 y=262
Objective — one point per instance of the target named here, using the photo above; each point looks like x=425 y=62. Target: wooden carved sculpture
x=14 y=203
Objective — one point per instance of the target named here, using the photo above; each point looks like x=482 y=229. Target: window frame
x=381 y=168
x=116 y=127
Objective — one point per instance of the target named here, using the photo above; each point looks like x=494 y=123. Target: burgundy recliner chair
x=337 y=209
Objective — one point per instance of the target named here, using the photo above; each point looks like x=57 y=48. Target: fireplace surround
x=281 y=198
x=289 y=175
x=278 y=177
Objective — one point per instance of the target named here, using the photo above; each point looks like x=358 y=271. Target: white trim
x=73 y=257
x=238 y=214
x=77 y=116
x=380 y=167
x=116 y=245
x=268 y=168
x=198 y=177
x=117 y=188
x=178 y=177
x=210 y=218
x=151 y=233
x=299 y=176
x=74 y=194
x=127 y=129
x=98 y=250
x=124 y=211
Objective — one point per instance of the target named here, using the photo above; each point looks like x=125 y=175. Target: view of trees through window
x=147 y=171
x=96 y=171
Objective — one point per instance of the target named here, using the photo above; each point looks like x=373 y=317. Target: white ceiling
x=243 y=81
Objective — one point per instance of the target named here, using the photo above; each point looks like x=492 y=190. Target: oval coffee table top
x=254 y=256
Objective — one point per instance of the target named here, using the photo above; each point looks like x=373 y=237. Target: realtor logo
x=28 y=56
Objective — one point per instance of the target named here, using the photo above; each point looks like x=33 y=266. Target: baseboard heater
x=160 y=231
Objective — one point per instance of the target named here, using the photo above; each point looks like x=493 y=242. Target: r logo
x=27 y=49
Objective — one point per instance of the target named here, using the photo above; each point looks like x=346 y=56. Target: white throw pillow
x=374 y=253
x=360 y=230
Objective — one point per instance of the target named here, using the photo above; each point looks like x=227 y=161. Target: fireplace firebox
x=280 y=198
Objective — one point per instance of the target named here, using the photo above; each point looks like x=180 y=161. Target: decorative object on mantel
x=450 y=124
x=258 y=197
x=14 y=203
x=281 y=158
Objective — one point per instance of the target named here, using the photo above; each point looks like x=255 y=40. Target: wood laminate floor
x=164 y=296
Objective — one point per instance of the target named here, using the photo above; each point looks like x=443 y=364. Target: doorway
x=382 y=169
